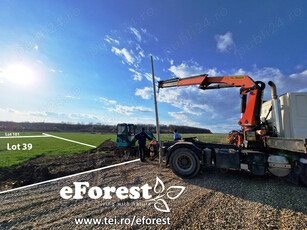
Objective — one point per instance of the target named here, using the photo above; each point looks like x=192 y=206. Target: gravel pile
x=213 y=200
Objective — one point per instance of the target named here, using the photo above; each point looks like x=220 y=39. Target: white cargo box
x=293 y=114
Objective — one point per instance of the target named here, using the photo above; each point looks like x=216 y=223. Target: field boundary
x=72 y=175
x=64 y=139
x=49 y=135
x=24 y=136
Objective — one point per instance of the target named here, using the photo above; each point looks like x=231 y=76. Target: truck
x=272 y=138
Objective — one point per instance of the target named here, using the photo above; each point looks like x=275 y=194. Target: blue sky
x=89 y=62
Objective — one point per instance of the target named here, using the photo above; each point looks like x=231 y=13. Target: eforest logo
x=83 y=189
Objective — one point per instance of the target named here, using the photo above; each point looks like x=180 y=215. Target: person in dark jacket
x=141 y=137
x=177 y=136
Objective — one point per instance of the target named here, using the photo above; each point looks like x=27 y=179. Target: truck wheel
x=303 y=171
x=184 y=163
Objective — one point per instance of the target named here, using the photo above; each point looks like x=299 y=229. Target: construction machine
x=261 y=146
x=126 y=142
x=125 y=135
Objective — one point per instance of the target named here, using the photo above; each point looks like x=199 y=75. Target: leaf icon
x=173 y=190
x=161 y=206
x=159 y=183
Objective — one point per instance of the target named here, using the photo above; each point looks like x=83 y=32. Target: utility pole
x=156 y=110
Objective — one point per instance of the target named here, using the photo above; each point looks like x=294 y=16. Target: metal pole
x=156 y=110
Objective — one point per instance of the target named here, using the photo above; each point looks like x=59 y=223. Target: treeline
x=171 y=128
x=88 y=128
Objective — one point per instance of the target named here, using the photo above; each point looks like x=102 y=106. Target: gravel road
x=213 y=200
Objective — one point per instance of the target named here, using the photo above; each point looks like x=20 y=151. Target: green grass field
x=220 y=138
x=48 y=146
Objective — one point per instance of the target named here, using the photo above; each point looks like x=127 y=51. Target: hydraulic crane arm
x=204 y=81
x=251 y=110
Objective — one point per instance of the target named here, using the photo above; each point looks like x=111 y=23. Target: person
x=141 y=138
x=176 y=135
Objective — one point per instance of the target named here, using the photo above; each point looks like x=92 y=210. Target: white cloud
x=224 y=42
x=189 y=99
x=37 y=114
x=148 y=76
x=1 y=75
x=299 y=76
x=52 y=70
x=145 y=93
x=39 y=61
x=36 y=47
x=302 y=90
x=10 y=114
x=133 y=54
x=72 y=97
x=240 y=71
x=182 y=119
x=212 y=72
x=155 y=58
x=136 y=33
x=292 y=83
x=149 y=34
x=185 y=70
x=82 y=116
x=137 y=76
x=138 y=47
x=128 y=110
x=107 y=101
x=124 y=53
x=123 y=109
x=142 y=109
x=111 y=40
x=141 y=53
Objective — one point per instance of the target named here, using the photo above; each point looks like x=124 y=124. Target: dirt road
x=213 y=200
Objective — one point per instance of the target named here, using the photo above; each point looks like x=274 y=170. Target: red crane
x=251 y=109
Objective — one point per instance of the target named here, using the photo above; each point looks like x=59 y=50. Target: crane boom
x=204 y=81
x=251 y=110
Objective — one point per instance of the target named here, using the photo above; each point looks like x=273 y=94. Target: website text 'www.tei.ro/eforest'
x=123 y=221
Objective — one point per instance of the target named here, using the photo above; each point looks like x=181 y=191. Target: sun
x=20 y=74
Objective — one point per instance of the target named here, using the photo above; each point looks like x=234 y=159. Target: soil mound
x=49 y=167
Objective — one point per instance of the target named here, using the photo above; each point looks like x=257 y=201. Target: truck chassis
x=185 y=158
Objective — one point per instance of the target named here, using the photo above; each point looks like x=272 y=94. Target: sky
x=89 y=61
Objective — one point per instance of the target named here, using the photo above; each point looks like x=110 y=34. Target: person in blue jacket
x=141 y=137
x=176 y=135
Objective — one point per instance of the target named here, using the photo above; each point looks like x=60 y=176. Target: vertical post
x=156 y=110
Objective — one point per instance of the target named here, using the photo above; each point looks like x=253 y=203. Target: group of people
x=142 y=137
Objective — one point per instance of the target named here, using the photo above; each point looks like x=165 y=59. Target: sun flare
x=20 y=74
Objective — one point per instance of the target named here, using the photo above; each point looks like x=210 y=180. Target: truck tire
x=184 y=163
x=302 y=165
